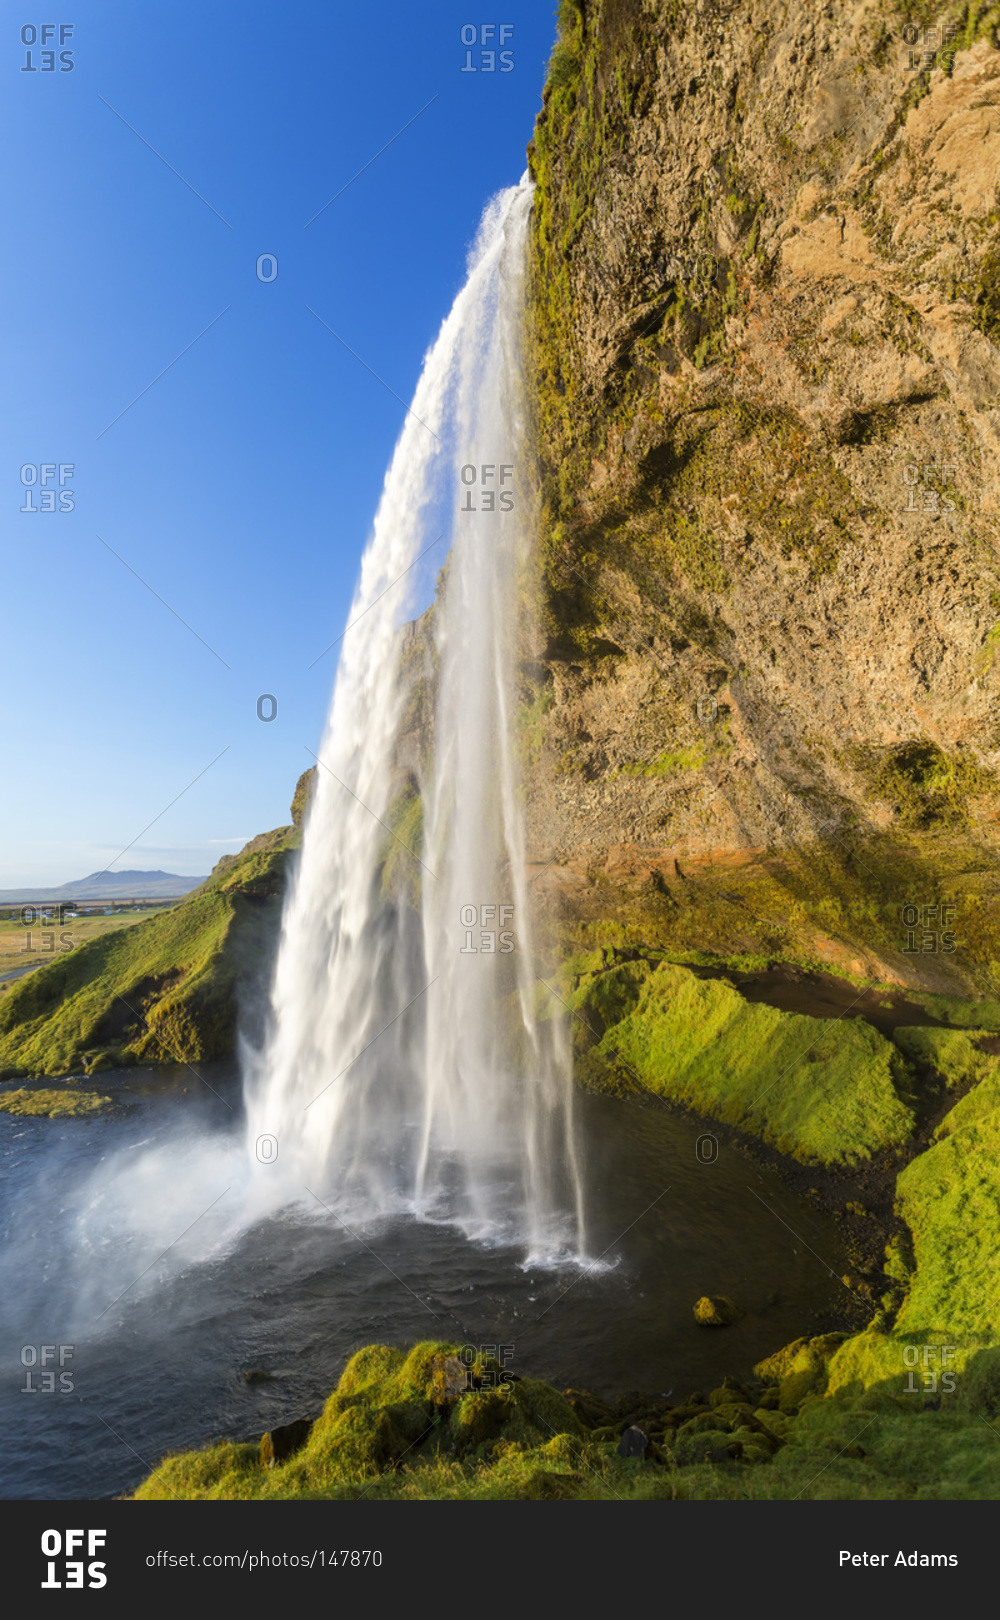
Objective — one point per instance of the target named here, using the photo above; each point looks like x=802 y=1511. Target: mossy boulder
x=380 y=1367
x=729 y=1390
x=449 y=1379
x=754 y=1447
x=536 y=1412
x=733 y=1415
x=479 y=1417
x=703 y=1445
x=702 y=1422
x=774 y=1367
x=716 y=1310
x=801 y=1368
x=592 y=1412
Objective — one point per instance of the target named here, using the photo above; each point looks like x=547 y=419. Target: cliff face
x=764 y=331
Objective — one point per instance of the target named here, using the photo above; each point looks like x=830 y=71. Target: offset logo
x=927 y=1369
x=487 y=36
x=485 y=487
x=487 y=917
x=41 y=475
x=40 y=1376
x=47 y=35
x=65 y=1567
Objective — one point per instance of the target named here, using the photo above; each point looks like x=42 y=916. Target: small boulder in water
x=283 y=1442
x=716 y=1310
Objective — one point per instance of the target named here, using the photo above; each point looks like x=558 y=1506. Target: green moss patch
x=925 y=786
x=52 y=1104
x=956 y=1055
x=671 y=763
x=988 y=296
x=820 y=1090
x=385 y=1416
x=950 y=1200
x=401 y=851
x=379 y=1436
x=960 y=1012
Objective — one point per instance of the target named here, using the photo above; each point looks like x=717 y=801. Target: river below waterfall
x=156 y=1362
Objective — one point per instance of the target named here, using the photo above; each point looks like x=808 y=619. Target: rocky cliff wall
x=764 y=347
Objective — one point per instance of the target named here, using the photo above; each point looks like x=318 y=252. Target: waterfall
x=413 y=1062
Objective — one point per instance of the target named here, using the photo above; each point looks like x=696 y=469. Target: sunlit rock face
x=764 y=323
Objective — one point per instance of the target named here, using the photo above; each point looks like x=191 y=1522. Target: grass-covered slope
x=163 y=990
x=387 y=1433
x=822 y=1090
x=938 y=1335
x=950 y=1199
x=387 y=1407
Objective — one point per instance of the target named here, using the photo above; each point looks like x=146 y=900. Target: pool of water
x=112 y=1248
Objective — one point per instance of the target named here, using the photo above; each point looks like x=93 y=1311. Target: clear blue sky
x=242 y=485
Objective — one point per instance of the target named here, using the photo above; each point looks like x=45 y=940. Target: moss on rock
x=825 y=1091
x=41 y=1101
x=716 y=1310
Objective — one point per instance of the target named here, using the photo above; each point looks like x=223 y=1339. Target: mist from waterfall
x=412 y=1059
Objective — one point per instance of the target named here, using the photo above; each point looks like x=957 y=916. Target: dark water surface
x=161 y=1367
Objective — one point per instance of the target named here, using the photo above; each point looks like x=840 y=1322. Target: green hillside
x=163 y=990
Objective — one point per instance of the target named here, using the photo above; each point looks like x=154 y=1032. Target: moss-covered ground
x=51 y=1103
x=820 y=1090
x=778 y=1436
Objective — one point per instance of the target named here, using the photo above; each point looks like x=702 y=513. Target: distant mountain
x=109 y=886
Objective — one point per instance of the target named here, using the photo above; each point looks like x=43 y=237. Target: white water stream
x=405 y=1065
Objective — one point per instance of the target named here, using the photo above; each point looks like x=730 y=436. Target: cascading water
x=405 y=1066
x=404 y=1071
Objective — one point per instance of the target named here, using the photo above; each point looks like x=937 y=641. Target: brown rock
x=449 y=1379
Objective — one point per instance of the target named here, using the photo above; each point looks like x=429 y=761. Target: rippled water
x=296 y=1294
